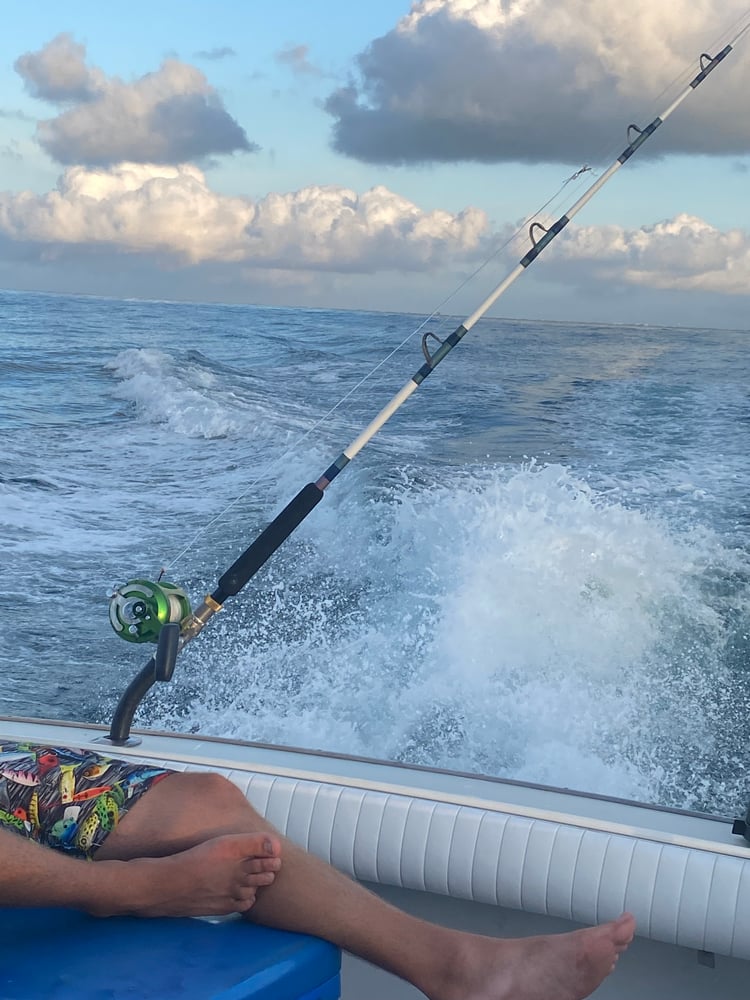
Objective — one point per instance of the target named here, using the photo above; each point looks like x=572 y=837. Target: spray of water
x=511 y=622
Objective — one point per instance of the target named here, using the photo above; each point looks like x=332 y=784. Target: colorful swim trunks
x=65 y=798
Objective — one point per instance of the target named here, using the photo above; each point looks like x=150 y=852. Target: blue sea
x=538 y=569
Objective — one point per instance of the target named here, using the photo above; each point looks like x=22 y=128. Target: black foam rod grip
x=264 y=546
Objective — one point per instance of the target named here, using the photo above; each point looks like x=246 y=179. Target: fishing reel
x=139 y=610
x=144 y=611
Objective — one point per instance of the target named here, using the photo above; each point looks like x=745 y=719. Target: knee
x=218 y=794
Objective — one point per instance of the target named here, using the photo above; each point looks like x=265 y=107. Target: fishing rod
x=160 y=612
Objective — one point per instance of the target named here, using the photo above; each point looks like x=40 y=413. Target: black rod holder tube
x=122 y=720
x=159 y=668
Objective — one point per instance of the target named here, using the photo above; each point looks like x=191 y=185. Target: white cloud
x=531 y=80
x=684 y=253
x=170 y=213
x=142 y=208
x=168 y=116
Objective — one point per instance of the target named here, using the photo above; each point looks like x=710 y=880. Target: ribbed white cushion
x=679 y=895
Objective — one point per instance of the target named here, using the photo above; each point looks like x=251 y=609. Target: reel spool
x=139 y=609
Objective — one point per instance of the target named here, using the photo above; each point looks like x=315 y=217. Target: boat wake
x=514 y=623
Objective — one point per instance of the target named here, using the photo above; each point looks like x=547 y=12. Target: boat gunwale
x=736 y=847
x=380 y=761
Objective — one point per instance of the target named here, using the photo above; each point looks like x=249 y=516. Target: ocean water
x=538 y=569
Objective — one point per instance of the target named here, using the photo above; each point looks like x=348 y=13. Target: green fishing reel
x=140 y=609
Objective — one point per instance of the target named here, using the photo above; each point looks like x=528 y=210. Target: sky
x=385 y=156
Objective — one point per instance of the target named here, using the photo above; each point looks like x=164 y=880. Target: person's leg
x=307 y=895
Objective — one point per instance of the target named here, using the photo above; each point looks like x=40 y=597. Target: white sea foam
x=515 y=623
x=166 y=393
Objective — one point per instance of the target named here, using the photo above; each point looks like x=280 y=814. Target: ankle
x=119 y=887
x=451 y=966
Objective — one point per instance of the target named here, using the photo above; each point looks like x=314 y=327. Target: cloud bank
x=169 y=116
x=683 y=254
x=531 y=81
x=139 y=208
x=171 y=214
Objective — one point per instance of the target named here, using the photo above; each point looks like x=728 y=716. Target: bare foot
x=558 y=967
x=214 y=878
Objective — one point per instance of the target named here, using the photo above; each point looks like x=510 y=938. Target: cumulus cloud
x=168 y=116
x=141 y=208
x=529 y=81
x=169 y=214
x=684 y=253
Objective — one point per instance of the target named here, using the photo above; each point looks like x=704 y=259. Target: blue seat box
x=48 y=954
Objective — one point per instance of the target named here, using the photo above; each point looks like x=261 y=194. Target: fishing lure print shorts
x=68 y=799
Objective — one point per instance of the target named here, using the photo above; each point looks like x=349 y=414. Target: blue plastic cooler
x=48 y=954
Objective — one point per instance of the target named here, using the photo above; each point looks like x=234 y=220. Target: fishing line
x=143 y=611
x=294 y=447
x=605 y=152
